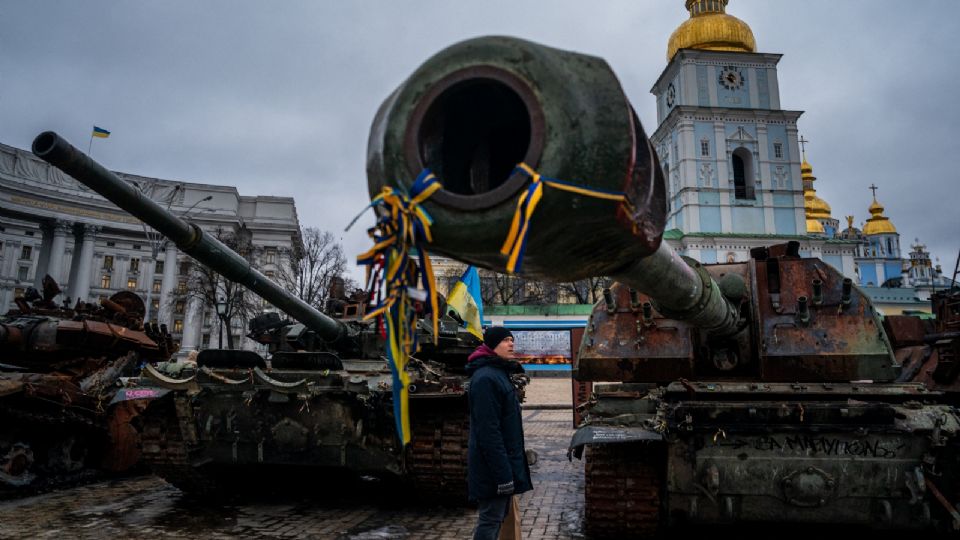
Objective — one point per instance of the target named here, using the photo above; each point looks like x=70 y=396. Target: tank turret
x=188 y=236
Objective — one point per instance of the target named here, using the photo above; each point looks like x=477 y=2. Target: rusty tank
x=65 y=412
x=319 y=403
x=764 y=391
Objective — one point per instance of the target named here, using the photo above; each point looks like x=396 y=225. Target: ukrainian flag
x=464 y=299
x=100 y=132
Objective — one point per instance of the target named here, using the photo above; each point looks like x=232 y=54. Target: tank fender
x=608 y=435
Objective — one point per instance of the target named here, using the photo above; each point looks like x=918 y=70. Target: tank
x=319 y=403
x=65 y=413
x=764 y=391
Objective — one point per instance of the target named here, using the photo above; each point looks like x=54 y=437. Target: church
x=737 y=173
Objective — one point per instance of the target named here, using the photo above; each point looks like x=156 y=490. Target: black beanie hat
x=494 y=335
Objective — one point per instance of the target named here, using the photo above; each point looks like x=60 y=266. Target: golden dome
x=878 y=223
x=815 y=207
x=814 y=226
x=710 y=28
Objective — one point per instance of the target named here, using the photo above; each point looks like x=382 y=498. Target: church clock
x=731 y=78
x=671 y=95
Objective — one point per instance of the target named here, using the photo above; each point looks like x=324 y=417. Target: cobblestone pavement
x=143 y=507
x=549 y=391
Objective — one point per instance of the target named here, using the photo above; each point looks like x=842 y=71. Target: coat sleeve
x=486 y=411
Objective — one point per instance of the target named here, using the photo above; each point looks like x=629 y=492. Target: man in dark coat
x=496 y=464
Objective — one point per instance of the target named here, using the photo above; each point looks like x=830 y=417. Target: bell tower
x=729 y=152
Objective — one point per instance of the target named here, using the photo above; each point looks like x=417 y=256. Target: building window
x=178 y=326
x=178 y=307
x=182 y=286
x=105 y=281
x=22 y=273
x=111 y=244
x=108 y=262
x=134 y=265
x=26 y=253
x=158 y=267
x=184 y=268
x=270 y=275
x=155 y=305
x=742 y=174
x=778 y=150
x=157 y=285
x=18 y=292
x=205 y=342
x=132 y=283
x=136 y=246
x=270 y=256
x=704 y=147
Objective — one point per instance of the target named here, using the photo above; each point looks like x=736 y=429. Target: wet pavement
x=146 y=506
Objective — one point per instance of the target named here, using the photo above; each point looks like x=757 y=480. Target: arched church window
x=889 y=247
x=742 y=174
x=704 y=147
x=778 y=150
x=666 y=178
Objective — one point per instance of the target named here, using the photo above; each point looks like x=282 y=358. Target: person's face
x=505 y=348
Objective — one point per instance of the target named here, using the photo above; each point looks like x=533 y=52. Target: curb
x=547 y=407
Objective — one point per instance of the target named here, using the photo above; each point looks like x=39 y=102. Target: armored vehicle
x=64 y=412
x=320 y=401
x=762 y=391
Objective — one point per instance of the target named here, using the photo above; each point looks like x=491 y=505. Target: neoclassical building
x=51 y=224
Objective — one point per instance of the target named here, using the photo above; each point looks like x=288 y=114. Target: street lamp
x=221 y=311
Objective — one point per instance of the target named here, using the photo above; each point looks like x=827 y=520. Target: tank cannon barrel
x=475 y=110
x=187 y=236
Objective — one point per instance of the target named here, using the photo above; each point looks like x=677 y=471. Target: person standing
x=496 y=461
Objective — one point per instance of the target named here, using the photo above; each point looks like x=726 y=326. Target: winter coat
x=496 y=460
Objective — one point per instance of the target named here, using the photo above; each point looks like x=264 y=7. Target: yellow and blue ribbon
x=402 y=225
x=515 y=244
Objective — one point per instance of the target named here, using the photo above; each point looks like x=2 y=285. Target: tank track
x=437 y=455
x=623 y=489
x=165 y=451
x=65 y=423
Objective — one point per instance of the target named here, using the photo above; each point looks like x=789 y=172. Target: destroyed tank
x=65 y=414
x=321 y=402
x=763 y=391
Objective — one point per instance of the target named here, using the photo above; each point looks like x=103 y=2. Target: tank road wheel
x=167 y=455
x=15 y=466
x=623 y=496
x=437 y=457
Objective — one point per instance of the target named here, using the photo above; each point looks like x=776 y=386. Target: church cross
x=803 y=144
x=873 y=188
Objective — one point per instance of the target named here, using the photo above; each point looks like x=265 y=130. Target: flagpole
x=90 y=146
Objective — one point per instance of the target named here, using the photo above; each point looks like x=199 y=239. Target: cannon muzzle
x=187 y=236
x=475 y=110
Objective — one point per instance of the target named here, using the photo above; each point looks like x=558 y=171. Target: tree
x=586 y=291
x=209 y=287
x=314 y=267
x=506 y=289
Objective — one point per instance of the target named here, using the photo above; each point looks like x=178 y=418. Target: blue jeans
x=490 y=516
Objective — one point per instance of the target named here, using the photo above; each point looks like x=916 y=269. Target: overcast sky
x=276 y=98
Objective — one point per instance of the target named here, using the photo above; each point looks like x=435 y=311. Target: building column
x=43 y=260
x=166 y=287
x=80 y=286
x=192 y=325
x=75 y=260
x=57 y=249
